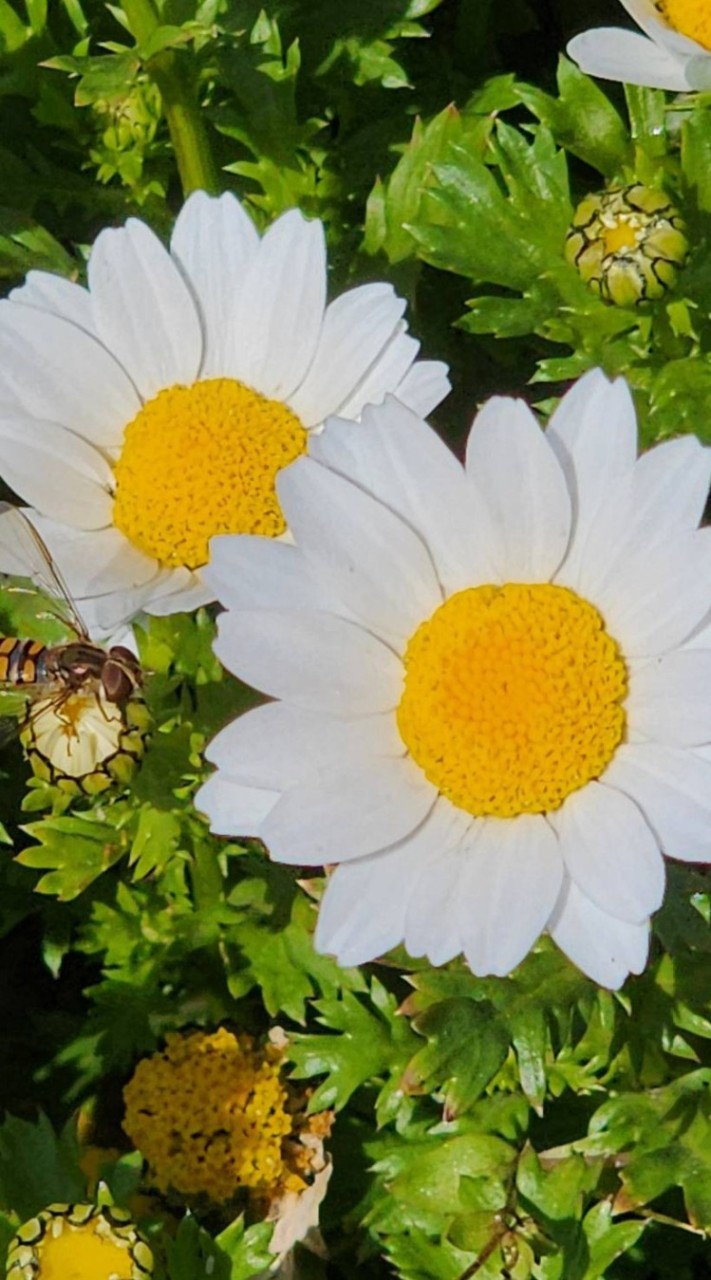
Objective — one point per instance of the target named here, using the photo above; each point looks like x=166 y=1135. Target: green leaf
x=284 y=964
x=393 y=206
x=582 y=119
x=501 y=225
x=370 y=1042
x=25 y=246
x=156 y=840
x=74 y=851
x=245 y=1249
x=37 y=1167
x=467 y=1046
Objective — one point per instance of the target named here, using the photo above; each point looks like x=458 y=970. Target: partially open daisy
x=674 y=52
x=154 y=409
x=490 y=712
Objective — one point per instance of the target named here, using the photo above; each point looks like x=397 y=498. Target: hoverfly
x=79 y=691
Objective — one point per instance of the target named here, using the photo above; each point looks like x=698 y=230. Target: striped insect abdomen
x=23 y=661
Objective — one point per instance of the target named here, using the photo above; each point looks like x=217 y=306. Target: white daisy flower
x=155 y=408
x=489 y=710
x=674 y=52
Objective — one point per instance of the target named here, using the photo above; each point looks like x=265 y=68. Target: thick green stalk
x=188 y=134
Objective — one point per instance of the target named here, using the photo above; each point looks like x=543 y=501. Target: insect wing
x=25 y=555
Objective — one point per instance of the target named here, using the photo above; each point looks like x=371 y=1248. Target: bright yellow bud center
x=690 y=17
x=81 y=1254
x=209 y=1116
x=513 y=698
x=79 y=1242
x=203 y=460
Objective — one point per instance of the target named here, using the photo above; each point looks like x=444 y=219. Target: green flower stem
x=188 y=134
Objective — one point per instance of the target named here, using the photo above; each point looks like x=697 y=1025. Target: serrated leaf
x=582 y=119
x=467 y=1046
x=73 y=851
x=369 y=1042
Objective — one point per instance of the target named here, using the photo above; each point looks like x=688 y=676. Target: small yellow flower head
x=209 y=1114
x=628 y=244
x=78 y=1242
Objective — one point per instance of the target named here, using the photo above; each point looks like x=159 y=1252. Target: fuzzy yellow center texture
x=691 y=17
x=208 y=1114
x=203 y=460
x=513 y=698
x=82 y=1253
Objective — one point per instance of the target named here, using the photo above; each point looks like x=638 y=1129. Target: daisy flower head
x=674 y=52
x=492 y=684
x=154 y=408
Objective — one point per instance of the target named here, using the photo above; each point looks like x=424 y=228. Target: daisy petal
x=94 y=563
x=348 y=813
x=56 y=471
x=143 y=309
x=652 y=602
x=660 y=498
x=518 y=483
x=279 y=746
x=386 y=372
x=673 y=789
x=214 y=241
x=317 y=660
x=234 y=809
x=363 y=909
x=356 y=328
x=279 y=314
x=187 y=597
x=603 y=947
x=610 y=852
x=53 y=293
x=425 y=385
x=508 y=890
x=669 y=698
x=52 y=369
x=395 y=456
x=431 y=921
x=248 y=572
x=593 y=433
x=377 y=564
x=614 y=54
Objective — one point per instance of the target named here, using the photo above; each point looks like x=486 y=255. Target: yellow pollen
x=620 y=237
x=690 y=17
x=513 y=698
x=203 y=460
x=208 y=1114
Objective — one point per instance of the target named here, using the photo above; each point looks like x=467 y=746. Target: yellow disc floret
x=513 y=698
x=208 y=1114
x=691 y=17
x=203 y=460
x=79 y=1242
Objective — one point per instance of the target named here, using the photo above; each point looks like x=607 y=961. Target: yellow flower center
x=208 y=1114
x=513 y=698
x=79 y=1242
x=81 y=1254
x=202 y=460
x=691 y=17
